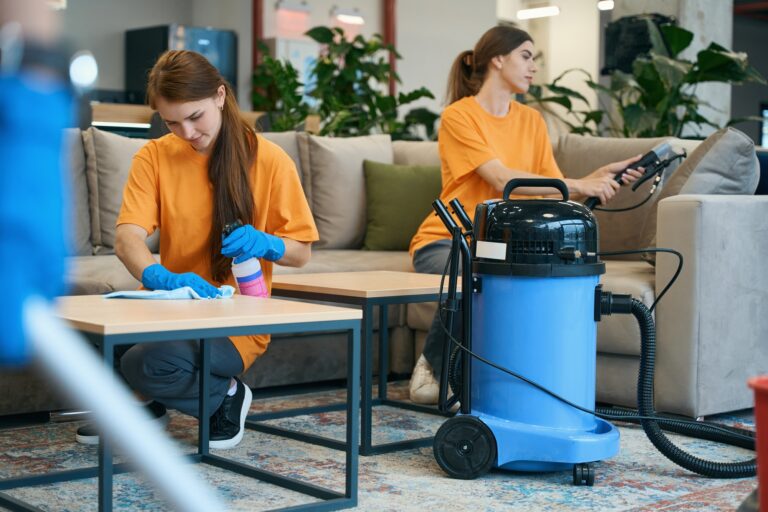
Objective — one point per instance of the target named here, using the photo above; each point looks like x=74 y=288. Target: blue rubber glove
x=248 y=242
x=157 y=277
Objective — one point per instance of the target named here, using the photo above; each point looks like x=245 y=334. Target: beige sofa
x=710 y=331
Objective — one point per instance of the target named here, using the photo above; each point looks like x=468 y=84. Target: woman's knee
x=147 y=366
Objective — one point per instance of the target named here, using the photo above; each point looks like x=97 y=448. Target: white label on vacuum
x=491 y=250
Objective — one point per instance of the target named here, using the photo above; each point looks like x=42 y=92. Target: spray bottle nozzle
x=229 y=228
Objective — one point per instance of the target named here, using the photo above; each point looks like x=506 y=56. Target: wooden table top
x=367 y=284
x=95 y=314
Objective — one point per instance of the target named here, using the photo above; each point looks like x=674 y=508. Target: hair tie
x=469 y=57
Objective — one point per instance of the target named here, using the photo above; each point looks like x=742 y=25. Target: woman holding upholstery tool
x=486 y=138
x=212 y=171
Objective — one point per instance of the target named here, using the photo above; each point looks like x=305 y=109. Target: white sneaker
x=424 y=388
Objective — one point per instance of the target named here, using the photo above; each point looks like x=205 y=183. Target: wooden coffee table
x=112 y=322
x=367 y=290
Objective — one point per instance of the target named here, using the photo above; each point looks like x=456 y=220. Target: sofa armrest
x=711 y=325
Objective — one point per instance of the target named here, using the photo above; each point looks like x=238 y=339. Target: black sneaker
x=228 y=422
x=89 y=433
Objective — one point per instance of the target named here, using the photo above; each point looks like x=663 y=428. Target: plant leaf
x=595 y=115
x=671 y=72
x=565 y=91
x=649 y=81
x=677 y=38
x=715 y=64
x=560 y=100
x=658 y=45
x=322 y=35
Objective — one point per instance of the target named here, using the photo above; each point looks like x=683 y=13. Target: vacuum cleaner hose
x=646 y=409
x=724 y=434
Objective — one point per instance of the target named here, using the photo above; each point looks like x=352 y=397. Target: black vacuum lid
x=517 y=235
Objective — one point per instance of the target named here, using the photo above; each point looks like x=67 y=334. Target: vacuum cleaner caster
x=584 y=474
x=465 y=447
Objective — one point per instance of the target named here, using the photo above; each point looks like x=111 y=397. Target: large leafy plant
x=658 y=98
x=347 y=89
x=277 y=91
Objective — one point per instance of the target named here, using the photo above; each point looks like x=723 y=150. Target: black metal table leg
x=367 y=378
x=105 y=447
x=353 y=419
x=383 y=350
x=203 y=427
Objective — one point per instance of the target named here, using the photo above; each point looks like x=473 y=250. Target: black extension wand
x=649 y=161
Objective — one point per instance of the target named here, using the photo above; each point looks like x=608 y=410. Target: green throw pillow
x=398 y=199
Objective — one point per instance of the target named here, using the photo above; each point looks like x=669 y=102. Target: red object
x=760 y=385
x=390 y=34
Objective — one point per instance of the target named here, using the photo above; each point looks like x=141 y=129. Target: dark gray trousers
x=431 y=259
x=168 y=372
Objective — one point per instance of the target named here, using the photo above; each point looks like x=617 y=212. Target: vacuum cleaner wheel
x=465 y=447
x=584 y=474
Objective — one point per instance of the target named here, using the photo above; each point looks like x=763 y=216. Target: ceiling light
x=292 y=5
x=605 y=5
x=538 y=12
x=347 y=16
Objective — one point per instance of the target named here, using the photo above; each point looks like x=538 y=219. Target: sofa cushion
x=108 y=159
x=289 y=143
x=336 y=184
x=81 y=222
x=725 y=163
x=91 y=275
x=347 y=260
x=415 y=152
x=398 y=197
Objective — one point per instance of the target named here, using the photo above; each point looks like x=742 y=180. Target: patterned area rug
x=638 y=478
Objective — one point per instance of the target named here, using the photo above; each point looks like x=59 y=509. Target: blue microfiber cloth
x=185 y=292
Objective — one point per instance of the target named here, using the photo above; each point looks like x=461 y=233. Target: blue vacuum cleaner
x=533 y=300
x=524 y=368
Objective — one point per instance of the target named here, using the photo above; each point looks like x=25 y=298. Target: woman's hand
x=248 y=242
x=157 y=277
x=602 y=183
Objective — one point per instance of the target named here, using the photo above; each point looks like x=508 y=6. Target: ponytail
x=462 y=80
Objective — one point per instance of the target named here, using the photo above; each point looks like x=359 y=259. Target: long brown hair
x=181 y=76
x=470 y=67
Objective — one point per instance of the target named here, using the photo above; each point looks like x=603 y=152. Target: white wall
x=320 y=14
x=231 y=15
x=572 y=41
x=100 y=25
x=430 y=34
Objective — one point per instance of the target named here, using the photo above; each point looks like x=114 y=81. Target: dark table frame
x=366 y=446
x=332 y=500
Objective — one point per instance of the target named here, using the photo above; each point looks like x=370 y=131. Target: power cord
x=749 y=436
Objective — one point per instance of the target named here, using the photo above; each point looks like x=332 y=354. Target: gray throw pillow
x=725 y=163
x=335 y=184
x=108 y=158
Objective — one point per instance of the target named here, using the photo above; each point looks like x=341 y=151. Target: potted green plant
x=349 y=83
x=348 y=89
x=278 y=92
x=658 y=98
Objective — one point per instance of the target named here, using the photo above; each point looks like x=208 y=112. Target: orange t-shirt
x=469 y=137
x=168 y=188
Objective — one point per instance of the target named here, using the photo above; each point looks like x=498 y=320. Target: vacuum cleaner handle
x=536 y=182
